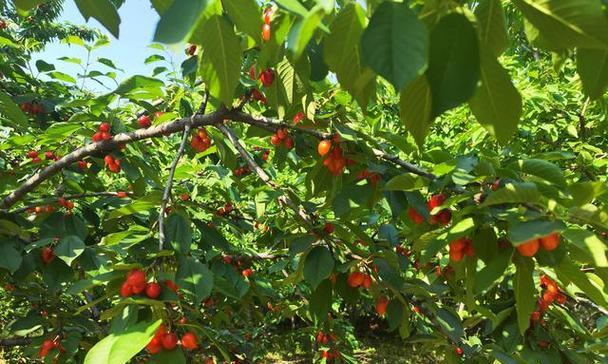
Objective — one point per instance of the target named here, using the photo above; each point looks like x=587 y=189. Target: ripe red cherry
x=496 y=184
x=550 y=242
x=49 y=155
x=191 y=50
x=171 y=285
x=436 y=200
x=275 y=140
x=47 y=345
x=267 y=78
x=298 y=117
x=266 y=32
x=184 y=197
x=323 y=147
x=47 y=254
x=458 y=351
x=267 y=14
x=381 y=305
x=104 y=127
x=355 y=279
x=282 y=133
x=189 y=341
x=121 y=194
x=126 y=290
x=144 y=121
x=153 y=290
x=136 y=276
x=32 y=154
x=329 y=228
x=247 y=272
x=169 y=341
x=288 y=143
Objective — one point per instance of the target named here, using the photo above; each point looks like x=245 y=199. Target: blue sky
x=128 y=52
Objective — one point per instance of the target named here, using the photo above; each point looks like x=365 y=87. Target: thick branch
x=272 y=125
x=90 y=149
x=17 y=341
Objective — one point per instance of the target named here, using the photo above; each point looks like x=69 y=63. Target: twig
x=178 y=156
x=43 y=201
x=16 y=341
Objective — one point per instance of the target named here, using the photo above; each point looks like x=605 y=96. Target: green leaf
x=213 y=236
x=395 y=44
x=453 y=62
x=497 y=103
x=27 y=4
x=179 y=20
x=318 y=265
x=243 y=14
x=492 y=26
x=494 y=269
x=221 y=59
x=394 y=314
x=542 y=169
x=525 y=292
x=194 y=278
x=592 y=67
x=406 y=182
x=521 y=232
x=303 y=30
x=451 y=324
x=415 y=106
x=179 y=233
x=42 y=66
x=341 y=50
x=293 y=6
x=11 y=111
x=119 y=348
x=589 y=244
x=320 y=301
x=175 y=356
x=568 y=271
x=567 y=23
x=69 y=248
x=10 y=258
x=513 y=193
x=585 y=192
x=102 y=10
x=143 y=204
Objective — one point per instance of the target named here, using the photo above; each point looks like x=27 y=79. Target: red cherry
x=32 y=154
x=189 y=341
x=257 y=95
x=267 y=78
x=415 y=216
x=436 y=200
x=191 y=50
x=171 y=285
x=158 y=114
x=381 y=304
x=153 y=290
x=252 y=72
x=328 y=228
x=355 y=279
x=121 y=194
x=49 y=155
x=282 y=133
x=266 y=32
x=136 y=276
x=247 y=272
x=288 y=142
x=458 y=351
x=126 y=290
x=82 y=164
x=144 y=121
x=184 y=197
x=267 y=14
x=47 y=254
x=104 y=127
x=367 y=281
x=169 y=341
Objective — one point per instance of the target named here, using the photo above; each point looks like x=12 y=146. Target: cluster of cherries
x=136 y=283
x=550 y=295
x=443 y=217
x=328 y=339
x=381 y=304
x=297 y=118
x=359 y=279
x=34 y=156
x=281 y=137
x=48 y=345
x=32 y=108
x=112 y=163
x=237 y=264
x=530 y=247
x=242 y=171
x=200 y=141
x=459 y=248
x=266 y=26
x=335 y=160
x=371 y=177
x=223 y=211
x=103 y=133
x=168 y=340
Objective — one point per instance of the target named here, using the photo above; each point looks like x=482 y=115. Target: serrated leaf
x=525 y=192
x=567 y=23
x=221 y=59
x=525 y=293
x=492 y=26
x=243 y=14
x=69 y=248
x=453 y=70
x=341 y=50
x=102 y=10
x=592 y=67
x=415 y=106
x=395 y=44
x=179 y=20
x=119 y=348
x=318 y=265
x=496 y=104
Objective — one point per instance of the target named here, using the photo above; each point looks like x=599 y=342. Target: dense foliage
x=433 y=171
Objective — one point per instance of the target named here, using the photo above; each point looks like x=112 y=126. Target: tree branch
x=16 y=341
x=156 y=131
x=47 y=200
